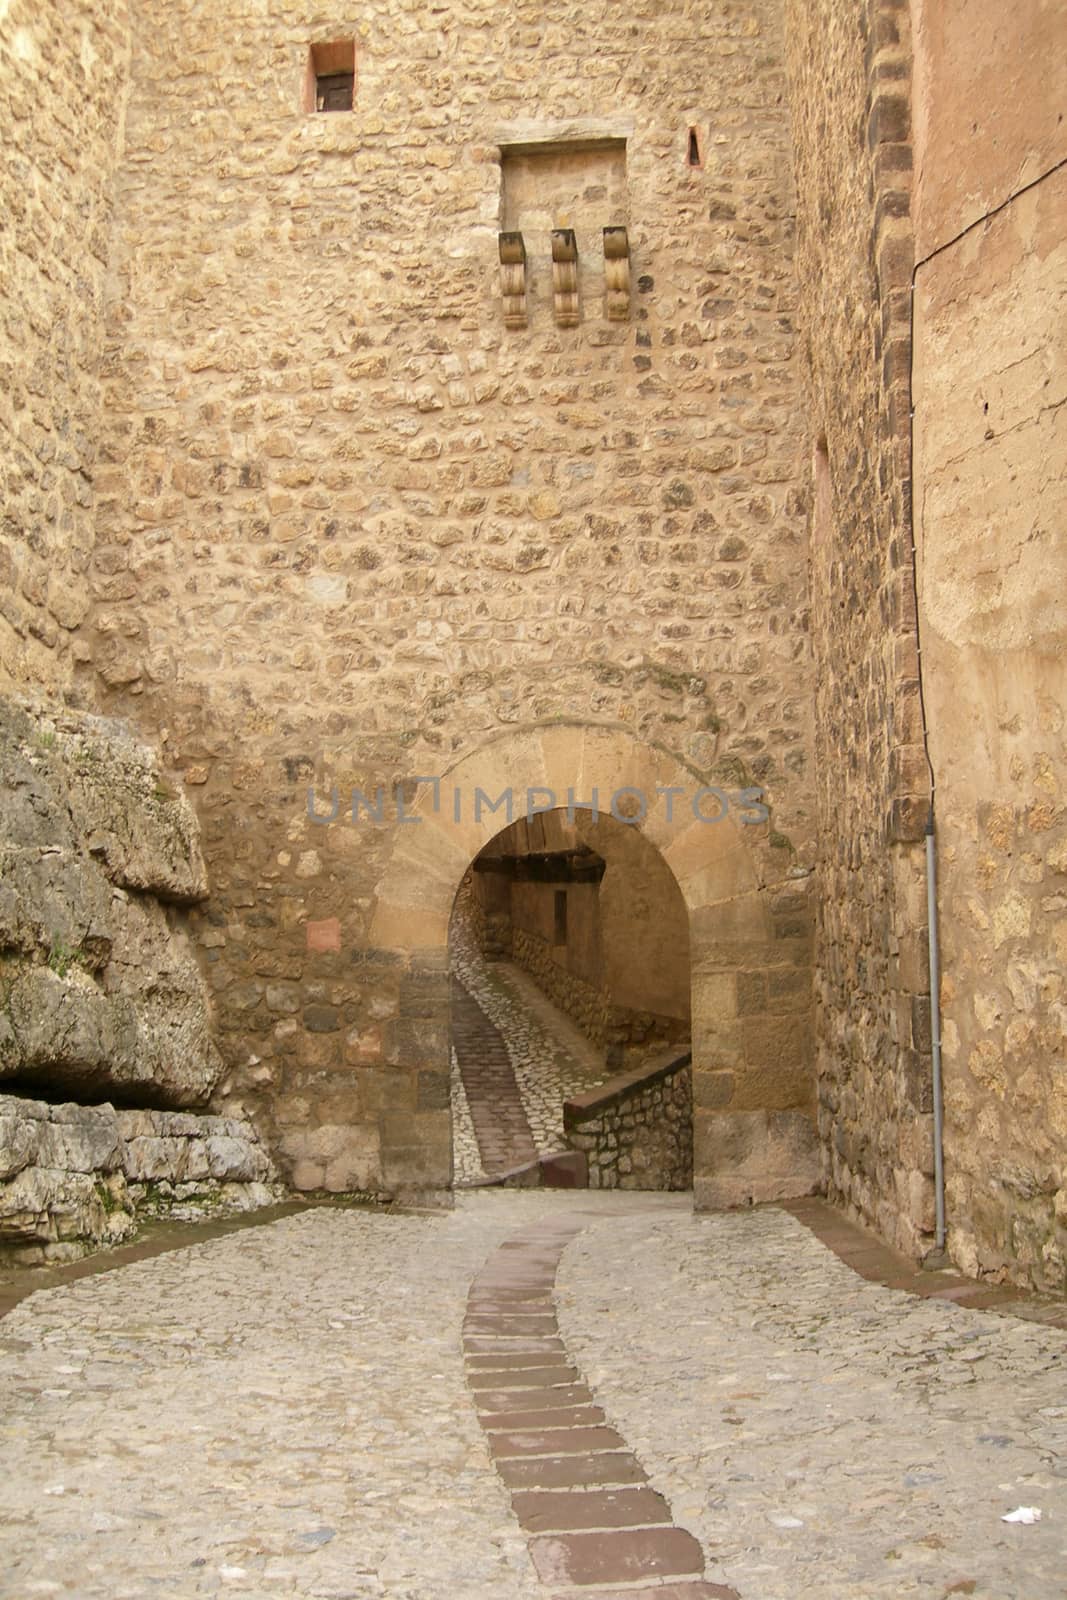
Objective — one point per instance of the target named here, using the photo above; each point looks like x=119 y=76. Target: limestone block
x=68 y=1031
x=32 y=808
x=236 y=1160
x=740 y=1158
x=19 y=1142
x=80 y=1139
x=151 y=1160
x=54 y=901
x=42 y=1205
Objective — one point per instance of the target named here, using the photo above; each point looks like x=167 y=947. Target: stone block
x=741 y=1158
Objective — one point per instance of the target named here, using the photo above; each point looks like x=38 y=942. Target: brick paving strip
x=501 y=1127
x=877 y=1263
x=580 y=1495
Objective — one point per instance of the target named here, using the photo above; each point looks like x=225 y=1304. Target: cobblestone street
x=516 y=1057
x=343 y=1402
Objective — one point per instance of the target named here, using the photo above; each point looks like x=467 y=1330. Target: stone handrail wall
x=636 y=1130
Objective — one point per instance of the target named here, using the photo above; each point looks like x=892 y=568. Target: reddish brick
x=561 y=1512
x=670 y=1591
x=615 y=1557
x=520 y=1421
x=555 y=1441
x=517 y=1375
x=572 y=1472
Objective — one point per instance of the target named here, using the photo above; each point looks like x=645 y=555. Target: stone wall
x=850 y=90
x=990 y=387
x=352 y=529
x=75 y=1177
x=636 y=1130
x=588 y=1006
x=63 y=76
x=623 y=1032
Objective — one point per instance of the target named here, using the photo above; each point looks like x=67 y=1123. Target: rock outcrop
x=100 y=994
x=75 y=1177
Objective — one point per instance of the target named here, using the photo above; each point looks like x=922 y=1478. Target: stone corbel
x=565 y=276
x=616 y=274
x=513 y=279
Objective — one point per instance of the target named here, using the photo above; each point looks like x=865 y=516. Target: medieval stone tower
x=405 y=407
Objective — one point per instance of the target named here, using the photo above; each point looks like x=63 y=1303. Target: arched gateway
x=753 y=1085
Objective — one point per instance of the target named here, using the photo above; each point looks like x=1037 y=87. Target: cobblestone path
x=579 y=1493
x=501 y=1020
x=497 y=1115
x=290 y=1411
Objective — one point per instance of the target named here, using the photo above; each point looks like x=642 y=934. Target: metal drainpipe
x=931 y=835
x=935 y=1028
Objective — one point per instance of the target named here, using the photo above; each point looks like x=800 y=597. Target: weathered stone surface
x=44 y=1207
x=54 y=902
x=102 y=993
x=991 y=353
x=142 y=830
x=72 y=1176
x=76 y=782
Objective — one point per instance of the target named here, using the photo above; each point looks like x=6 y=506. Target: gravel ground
x=282 y=1412
x=818 y=1434
x=278 y=1413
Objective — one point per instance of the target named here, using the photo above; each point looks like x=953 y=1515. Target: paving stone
x=547 y=1399
x=555 y=1441
x=816 y=1432
x=259 y=1402
x=615 y=1557
x=516 y=1421
x=560 y=1512
x=549 y=1062
x=666 y=1591
x=571 y=1472
x=516 y=1371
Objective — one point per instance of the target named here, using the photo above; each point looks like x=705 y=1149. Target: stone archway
x=753 y=1086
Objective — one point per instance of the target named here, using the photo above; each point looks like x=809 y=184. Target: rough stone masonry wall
x=636 y=1132
x=850 y=77
x=63 y=74
x=350 y=525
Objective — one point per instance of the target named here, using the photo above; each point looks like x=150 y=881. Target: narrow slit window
x=694 y=154
x=560 y=917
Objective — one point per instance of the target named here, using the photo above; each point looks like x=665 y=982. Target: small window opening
x=560 y=908
x=694 y=154
x=330 y=78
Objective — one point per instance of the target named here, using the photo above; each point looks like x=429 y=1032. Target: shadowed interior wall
x=608 y=942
